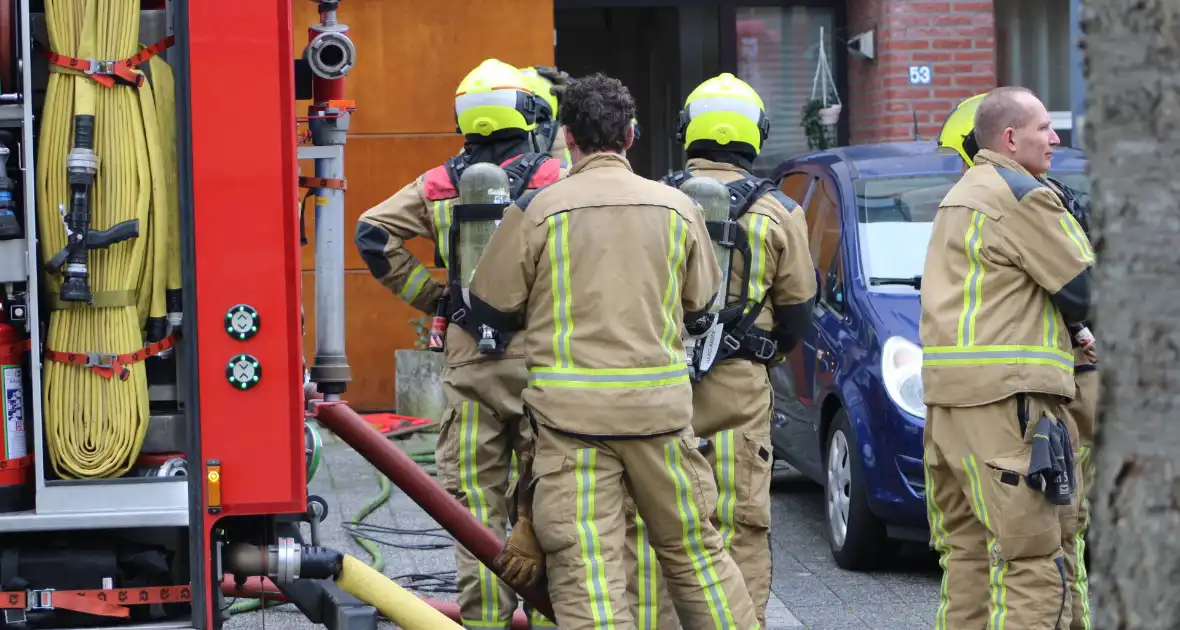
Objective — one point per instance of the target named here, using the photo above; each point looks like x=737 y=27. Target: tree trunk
x=1132 y=53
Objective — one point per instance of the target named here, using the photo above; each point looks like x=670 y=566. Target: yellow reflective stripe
x=1049 y=322
x=1082 y=577
x=513 y=469
x=648 y=573
x=537 y=620
x=559 y=265
x=596 y=586
x=473 y=496
x=414 y=283
x=1074 y=231
x=690 y=521
x=972 y=282
x=677 y=236
x=606 y=378
x=972 y=468
x=998 y=355
x=938 y=539
x=757 y=240
x=442 y=222
x=726 y=487
x=999 y=592
x=484 y=625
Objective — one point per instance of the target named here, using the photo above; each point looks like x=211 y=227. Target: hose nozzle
x=284 y=562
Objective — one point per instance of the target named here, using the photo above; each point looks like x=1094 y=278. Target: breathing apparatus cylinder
x=713 y=197
x=483 y=195
x=16 y=464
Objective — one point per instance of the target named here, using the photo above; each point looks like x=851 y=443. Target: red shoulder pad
x=548 y=172
x=437 y=182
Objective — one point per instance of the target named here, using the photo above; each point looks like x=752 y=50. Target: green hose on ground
x=424 y=458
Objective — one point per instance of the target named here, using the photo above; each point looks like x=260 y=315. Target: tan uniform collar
x=707 y=164
x=987 y=156
x=600 y=160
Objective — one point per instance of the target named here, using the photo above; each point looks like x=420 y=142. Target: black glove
x=559 y=79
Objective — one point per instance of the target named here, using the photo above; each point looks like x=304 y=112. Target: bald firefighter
x=958 y=136
x=768 y=308
x=482 y=426
x=1007 y=272
x=601 y=270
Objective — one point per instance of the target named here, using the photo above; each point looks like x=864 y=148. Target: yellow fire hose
x=394 y=602
x=95 y=425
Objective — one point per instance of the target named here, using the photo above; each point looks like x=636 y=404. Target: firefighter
x=1006 y=272
x=601 y=270
x=723 y=125
x=482 y=426
x=550 y=84
x=957 y=136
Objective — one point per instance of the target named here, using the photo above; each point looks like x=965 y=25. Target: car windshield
x=895 y=216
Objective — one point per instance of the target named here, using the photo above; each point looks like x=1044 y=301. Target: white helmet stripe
x=725 y=104
x=503 y=98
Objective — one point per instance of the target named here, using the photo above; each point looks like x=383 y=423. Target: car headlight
x=901 y=369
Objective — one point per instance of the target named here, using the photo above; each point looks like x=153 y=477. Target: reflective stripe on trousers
x=693 y=544
x=469 y=483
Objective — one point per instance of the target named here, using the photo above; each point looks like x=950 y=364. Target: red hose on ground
x=257 y=588
x=340 y=419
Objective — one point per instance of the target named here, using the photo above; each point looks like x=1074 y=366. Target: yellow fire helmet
x=493 y=97
x=721 y=111
x=541 y=87
x=957 y=134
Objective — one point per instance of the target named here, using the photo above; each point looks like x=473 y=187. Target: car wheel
x=855 y=534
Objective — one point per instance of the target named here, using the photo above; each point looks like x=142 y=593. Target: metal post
x=1077 y=79
x=330 y=55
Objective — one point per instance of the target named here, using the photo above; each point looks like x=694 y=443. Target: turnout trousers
x=578 y=512
x=482 y=431
x=999 y=540
x=731 y=416
x=1083 y=416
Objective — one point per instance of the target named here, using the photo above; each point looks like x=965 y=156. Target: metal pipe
x=395 y=464
x=330 y=55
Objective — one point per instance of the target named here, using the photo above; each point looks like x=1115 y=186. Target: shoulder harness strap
x=521 y=170
x=745 y=192
x=676 y=179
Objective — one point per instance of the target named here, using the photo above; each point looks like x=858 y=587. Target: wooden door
x=410 y=57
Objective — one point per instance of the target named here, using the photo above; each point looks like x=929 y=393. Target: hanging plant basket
x=830 y=115
x=824 y=107
x=820 y=135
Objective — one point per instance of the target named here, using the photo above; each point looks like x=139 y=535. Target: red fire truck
x=155 y=449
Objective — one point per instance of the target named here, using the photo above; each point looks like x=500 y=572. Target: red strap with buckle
x=106 y=365
x=105 y=72
x=323 y=182
x=111 y=602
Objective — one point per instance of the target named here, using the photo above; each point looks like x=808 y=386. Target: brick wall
x=957 y=41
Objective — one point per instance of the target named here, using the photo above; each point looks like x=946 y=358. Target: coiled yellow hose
x=94 y=425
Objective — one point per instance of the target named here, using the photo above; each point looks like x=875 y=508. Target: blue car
x=848 y=399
